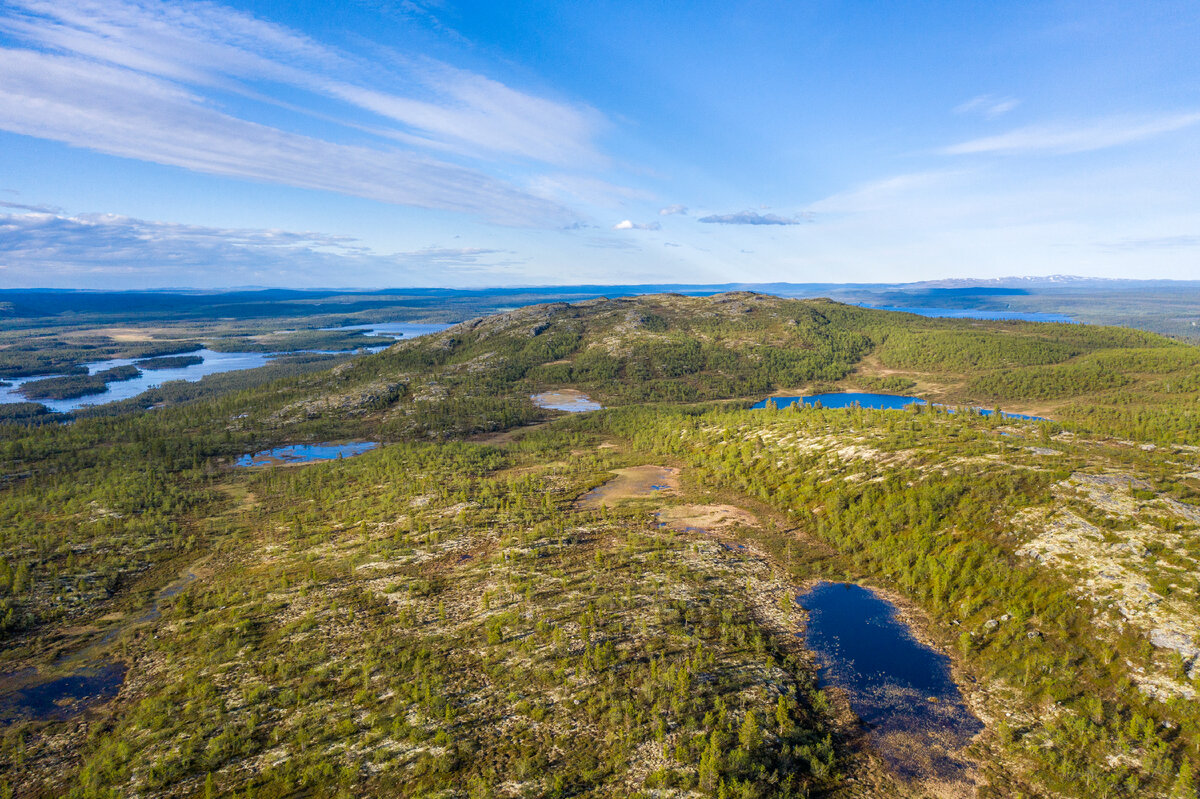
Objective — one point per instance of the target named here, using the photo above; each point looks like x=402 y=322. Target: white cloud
x=111 y=251
x=627 y=224
x=562 y=187
x=1063 y=139
x=988 y=105
x=749 y=218
x=150 y=80
x=673 y=209
x=1183 y=240
x=205 y=44
x=119 y=112
x=886 y=194
x=1131 y=217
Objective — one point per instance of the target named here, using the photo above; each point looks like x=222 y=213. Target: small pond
x=567 y=399
x=901 y=689
x=306 y=453
x=61 y=697
x=892 y=402
x=879 y=402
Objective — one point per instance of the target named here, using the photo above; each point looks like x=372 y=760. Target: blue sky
x=435 y=143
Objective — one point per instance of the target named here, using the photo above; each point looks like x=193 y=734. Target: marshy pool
x=83 y=679
x=59 y=698
x=901 y=689
x=305 y=453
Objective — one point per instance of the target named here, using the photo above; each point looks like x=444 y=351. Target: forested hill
x=478 y=375
x=504 y=600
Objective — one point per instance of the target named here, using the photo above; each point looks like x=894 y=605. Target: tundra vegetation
x=442 y=617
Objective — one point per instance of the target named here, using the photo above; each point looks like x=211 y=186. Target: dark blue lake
x=972 y=313
x=890 y=402
x=396 y=330
x=306 y=453
x=879 y=402
x=901 y=689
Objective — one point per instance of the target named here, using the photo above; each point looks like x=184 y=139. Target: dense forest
x=445 y=616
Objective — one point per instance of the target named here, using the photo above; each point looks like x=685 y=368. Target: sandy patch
x=705 y=517
x=635 y=482
x=566 y=399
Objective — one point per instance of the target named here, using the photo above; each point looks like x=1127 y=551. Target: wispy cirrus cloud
x=118 y=112
x=987 y=105
x=147 y=80
x=1184 y=240
x=628 y=224
x=39 y=209
x=210 y=45
x=108 y=250
x=671 y=210
x=1065 y=139
x=750 y=218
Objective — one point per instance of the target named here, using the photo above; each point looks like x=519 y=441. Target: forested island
x=70 y=386
x=169 y=362
x=504 y=599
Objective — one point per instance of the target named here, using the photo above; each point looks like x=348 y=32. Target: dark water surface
x=306 y=453
x=88 y=677
x=901 y=689
x=61 y=697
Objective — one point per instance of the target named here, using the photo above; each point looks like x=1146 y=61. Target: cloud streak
x=627 y=224
x=147 y=80
x=107 y=250
x=205 y=44
x=987 y=105
x=118 y=112
x=1155 y=243
x=749 y=218
x=1064 y=139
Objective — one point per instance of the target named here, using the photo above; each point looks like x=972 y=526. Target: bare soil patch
x=705 y=517
x=635 y=482
x=566 y=399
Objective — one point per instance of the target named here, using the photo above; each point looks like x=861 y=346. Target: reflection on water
x=900 y=688
x=878 y=402
x=61 y=697
x=306 y=453
x=397 y=330
x=213 y=363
